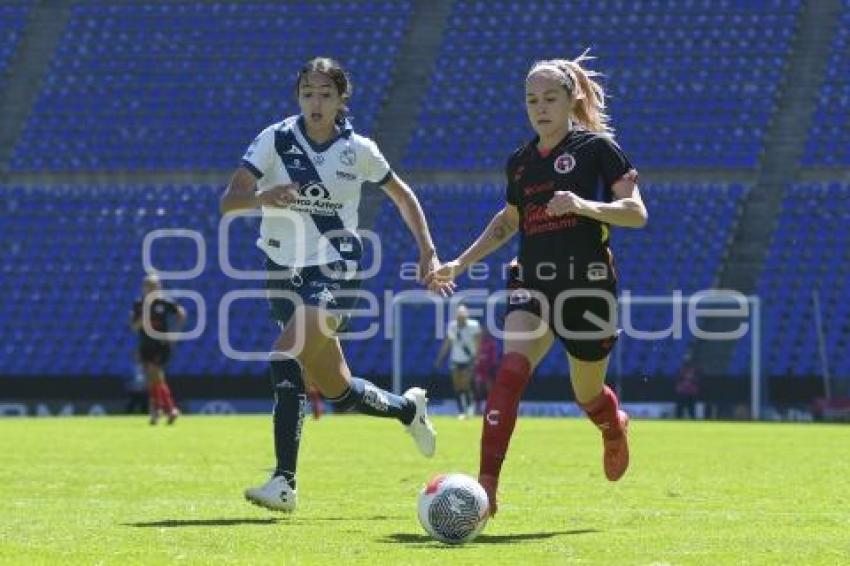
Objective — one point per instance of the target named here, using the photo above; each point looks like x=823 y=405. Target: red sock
x=316 y=402
x=167 y=402
x=603 y=412
x=153 y=397
x=501 y=410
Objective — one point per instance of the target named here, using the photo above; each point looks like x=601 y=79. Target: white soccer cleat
x=420 y=428
x=275 y=494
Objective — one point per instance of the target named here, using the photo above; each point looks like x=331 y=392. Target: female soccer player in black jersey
x=564 y=189
x=154 y=353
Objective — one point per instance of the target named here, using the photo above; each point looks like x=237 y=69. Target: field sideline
x=114 y=490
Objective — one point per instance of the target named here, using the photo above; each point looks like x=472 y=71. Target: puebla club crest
x=347 y=157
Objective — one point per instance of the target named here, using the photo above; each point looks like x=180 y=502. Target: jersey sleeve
x=376 y=169
x=613 y=162
x=512 y=195
x=259 y=156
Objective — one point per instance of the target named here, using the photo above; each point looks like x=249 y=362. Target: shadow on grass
x=204 y=522
x=407 y=538
x=306 y=519
x=251 y=521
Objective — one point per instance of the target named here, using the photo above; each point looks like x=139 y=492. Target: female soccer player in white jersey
x=564 y=189
x=306 y=174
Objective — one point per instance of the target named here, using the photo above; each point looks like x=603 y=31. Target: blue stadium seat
x=65 y=274
x=691 y=83
x=122 y=91
x=805 y=257
x=13 y=18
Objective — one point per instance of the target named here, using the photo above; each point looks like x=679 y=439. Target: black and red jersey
x=584 y=162
x=160 y=310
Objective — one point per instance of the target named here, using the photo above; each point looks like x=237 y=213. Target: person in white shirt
x=306 y=173
x=463 y=338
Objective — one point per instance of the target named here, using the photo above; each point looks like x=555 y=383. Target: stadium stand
x=810 y=252
x=691 y=83
x=13 y=17
x=148 y=86
x=143 y=87
x=828 y=141
x=76 y=257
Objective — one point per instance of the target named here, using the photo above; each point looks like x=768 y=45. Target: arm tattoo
x=500 y=230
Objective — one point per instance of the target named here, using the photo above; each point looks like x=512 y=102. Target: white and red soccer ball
x=453 y=508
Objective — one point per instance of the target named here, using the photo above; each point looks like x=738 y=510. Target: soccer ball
x=453 y=508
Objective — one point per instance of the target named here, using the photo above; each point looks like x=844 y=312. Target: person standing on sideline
x=306 y=173
x=462 y=339
x=687 y=392
x=154 y=353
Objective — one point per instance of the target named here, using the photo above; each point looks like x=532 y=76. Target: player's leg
x=154 y=399
x=466 y=388
x=588 y=359
x=169 y=405
x=288 y=384
x=315 y=396
x=602 y=407
x=159 y=381
x=279 y=492
x=457 y=388
x=160 y=358
x=526 y=343
x=325 y=362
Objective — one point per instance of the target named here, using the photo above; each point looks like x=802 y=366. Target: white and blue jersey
x=321 y=226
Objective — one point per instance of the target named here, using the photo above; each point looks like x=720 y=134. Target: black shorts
x=154 y=352
x=566 y=317
x=318 y=286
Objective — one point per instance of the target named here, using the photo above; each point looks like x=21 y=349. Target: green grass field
x=117 y=491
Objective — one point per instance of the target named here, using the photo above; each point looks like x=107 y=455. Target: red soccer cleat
x=490 y=483
x=616 y=457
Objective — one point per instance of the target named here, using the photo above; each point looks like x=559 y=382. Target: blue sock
x=461 y=406
x=288 y=415
x=367 y=398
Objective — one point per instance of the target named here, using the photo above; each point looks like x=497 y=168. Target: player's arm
x=411 y=211
x=501 y=228
x=444 y=349
x=135 y=320
x=180 y=313
x=242 y=193
x=626 y=209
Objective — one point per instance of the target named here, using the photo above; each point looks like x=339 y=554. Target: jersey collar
x=345 y=131
x=557 y=147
